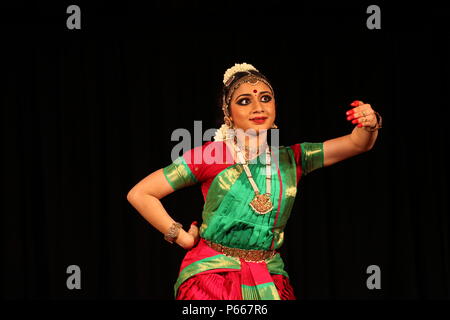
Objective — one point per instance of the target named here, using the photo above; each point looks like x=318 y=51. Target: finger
x=360 y=110
x=193 y=232
x=351 y=111
x=362 y=113
x=356 y=103
x=354 y=113
x=363 y=118
x=363 y=107
x=193 y=229
x=367 y=121
x=356 y=107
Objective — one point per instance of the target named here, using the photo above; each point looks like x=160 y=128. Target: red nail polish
x=355 y=103
x=350 y=117
x=195 y=223
x=355 y=121
x=360 y=125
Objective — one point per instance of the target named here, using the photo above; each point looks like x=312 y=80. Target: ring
x=363 y=113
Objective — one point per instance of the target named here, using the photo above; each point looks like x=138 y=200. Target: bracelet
x=173 y=232
x=378 y=125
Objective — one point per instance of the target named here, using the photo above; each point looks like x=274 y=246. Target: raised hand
x=362 y=114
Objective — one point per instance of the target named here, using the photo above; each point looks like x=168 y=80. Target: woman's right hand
x=189 y=239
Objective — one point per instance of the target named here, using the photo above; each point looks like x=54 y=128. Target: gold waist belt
x=246 y=254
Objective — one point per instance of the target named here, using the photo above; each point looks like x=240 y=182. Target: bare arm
x=145 y=198
x=359 y=141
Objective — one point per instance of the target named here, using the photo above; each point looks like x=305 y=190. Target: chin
x=255 y=127
x=260 y=128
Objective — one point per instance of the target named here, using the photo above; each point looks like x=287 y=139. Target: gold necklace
x=261 y=203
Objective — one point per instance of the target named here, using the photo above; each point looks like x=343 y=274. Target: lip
x=259 y=120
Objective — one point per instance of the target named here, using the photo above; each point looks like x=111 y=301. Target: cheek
x=272 y=108
x=237 y=114
x=236 y=111
x=242 y=116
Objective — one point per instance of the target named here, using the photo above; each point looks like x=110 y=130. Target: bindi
x=255 y=91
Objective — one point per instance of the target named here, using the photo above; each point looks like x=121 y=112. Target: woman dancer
x=249 y=189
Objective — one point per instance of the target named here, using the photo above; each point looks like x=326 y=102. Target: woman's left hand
x=362 y=114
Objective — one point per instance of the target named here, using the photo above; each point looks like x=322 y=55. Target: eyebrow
x=249 y=95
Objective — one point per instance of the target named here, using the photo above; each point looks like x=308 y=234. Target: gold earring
x=274 y=126
x=228 y=121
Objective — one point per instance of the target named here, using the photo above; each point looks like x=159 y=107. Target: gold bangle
x=173 y=232
x=378 y=125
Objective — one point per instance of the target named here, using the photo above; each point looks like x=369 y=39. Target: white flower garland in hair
x=238 y=67
x=224 y=133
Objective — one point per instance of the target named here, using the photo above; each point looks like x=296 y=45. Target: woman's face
x=253 y=107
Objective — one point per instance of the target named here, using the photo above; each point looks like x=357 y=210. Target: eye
x=266 y=98
x=243 y=101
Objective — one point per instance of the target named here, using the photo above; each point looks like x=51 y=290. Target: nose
x=258 y=107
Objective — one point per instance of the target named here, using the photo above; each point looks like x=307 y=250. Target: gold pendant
x=261 y=203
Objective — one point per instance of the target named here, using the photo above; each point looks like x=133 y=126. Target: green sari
x=227 y=216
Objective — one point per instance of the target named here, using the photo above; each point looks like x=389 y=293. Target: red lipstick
x=259 y=120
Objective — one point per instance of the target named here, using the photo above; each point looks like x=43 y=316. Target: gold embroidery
x=291 y=191
x=179 y=175
x=246 y=254
x=312 y=156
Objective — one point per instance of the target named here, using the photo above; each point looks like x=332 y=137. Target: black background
x=88 y=113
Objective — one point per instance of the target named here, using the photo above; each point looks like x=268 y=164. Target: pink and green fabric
x=229 y=220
